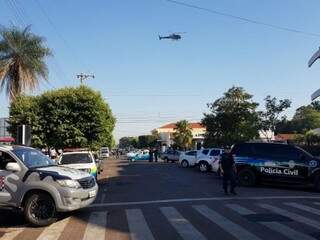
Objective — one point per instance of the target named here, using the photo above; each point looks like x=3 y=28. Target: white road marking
x=12 y=233
x=293 y=216
x=54 y=231
x=232 y=228
x=304 y=207
x=182 y=225
x=198 y=199
x=96 y=227
x=275 y=226
x=138 y=226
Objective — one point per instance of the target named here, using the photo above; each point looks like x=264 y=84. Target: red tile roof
x=191 y=125
x=285 y=136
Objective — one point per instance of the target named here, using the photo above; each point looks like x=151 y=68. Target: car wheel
x=203 y=166
x=40 y=210
x=247 y=177
x=184 y=163
x=166 y=159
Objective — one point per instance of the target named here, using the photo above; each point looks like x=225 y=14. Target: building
x=4 y=127
x=166 y=133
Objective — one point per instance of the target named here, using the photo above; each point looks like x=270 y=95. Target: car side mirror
x=13 y=167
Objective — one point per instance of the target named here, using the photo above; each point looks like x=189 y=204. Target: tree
x=270 y=117
x=146 y=141
x=68 y=117
x=25 y=110
x=182 y=137
x=128 y=142
x=232 y=119
x=306 y=118
x=22 y=64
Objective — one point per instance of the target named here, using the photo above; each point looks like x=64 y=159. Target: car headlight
x=69 y=183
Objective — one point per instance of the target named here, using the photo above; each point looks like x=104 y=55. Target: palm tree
x=22 y=62
x=183 y=135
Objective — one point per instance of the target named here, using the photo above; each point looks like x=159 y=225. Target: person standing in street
x=228 y=171
x=150 y=155
x=155 y=152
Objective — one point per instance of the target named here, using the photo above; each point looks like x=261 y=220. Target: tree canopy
x=68 y=117
x=231 y=119
x=22 y=60
x=182 y=136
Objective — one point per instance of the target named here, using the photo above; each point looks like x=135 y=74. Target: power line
x=244 y=19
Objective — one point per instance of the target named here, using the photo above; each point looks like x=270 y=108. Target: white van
x=104 y=152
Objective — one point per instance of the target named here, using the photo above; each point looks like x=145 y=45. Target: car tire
x=184 y=163
x=166 y=159
x=203 y=166
x=247 y=177
x=40 y=209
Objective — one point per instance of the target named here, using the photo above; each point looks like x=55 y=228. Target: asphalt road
x=144 y=200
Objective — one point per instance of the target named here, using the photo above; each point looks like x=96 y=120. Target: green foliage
x=273 y=109
x=68 y=117
x=22 y=64
x=232 y=119
x=182 y=136
x=146 y=141
x=128 y=142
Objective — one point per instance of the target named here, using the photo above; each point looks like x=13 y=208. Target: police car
x=32 y=182
x=275 y=163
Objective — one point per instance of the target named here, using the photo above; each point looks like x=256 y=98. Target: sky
x=148 y=82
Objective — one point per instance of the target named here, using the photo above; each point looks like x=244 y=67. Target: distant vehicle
x=171 y=155
x=83 y=161
x=143 y=156
x=173 y=36
x=104 y=152
x=208 y=159
x=33 y=183
x=277 y=163
x=188 y=159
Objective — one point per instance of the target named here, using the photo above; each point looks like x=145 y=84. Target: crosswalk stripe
x=303 y=207
x=182 y=225
x=138 y=226
x=12 y=234
x=96 y=227
x=275 y=226
x=54 y=231
x=234 y=229
x=293 y=216
x=317 y=203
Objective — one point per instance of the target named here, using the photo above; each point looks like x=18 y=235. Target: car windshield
x=33 y=158
x=75 y=158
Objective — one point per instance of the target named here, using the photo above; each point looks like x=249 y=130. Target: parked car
x=34 y=184
x=83 y=161
x=104 y=152
x=281 y=164
x=171 y=155
x=188 y=159
x=208 y=159
x=143 y=156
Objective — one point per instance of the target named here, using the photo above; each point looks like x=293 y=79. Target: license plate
x=92 y=194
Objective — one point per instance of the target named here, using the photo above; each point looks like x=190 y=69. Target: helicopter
x=173 y=36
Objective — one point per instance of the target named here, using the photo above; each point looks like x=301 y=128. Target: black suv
x=274 y=162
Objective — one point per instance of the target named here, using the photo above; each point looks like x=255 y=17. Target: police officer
x=228 y=171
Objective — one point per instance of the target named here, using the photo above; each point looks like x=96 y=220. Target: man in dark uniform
x=228 y=171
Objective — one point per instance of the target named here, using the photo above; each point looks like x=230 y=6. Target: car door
x=191 y=157
x=214 y=157
x=8 y=189
x=294 y=164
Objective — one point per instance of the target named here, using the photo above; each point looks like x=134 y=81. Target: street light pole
x=83 y=77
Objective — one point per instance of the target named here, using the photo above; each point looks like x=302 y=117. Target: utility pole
x=83 y=77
